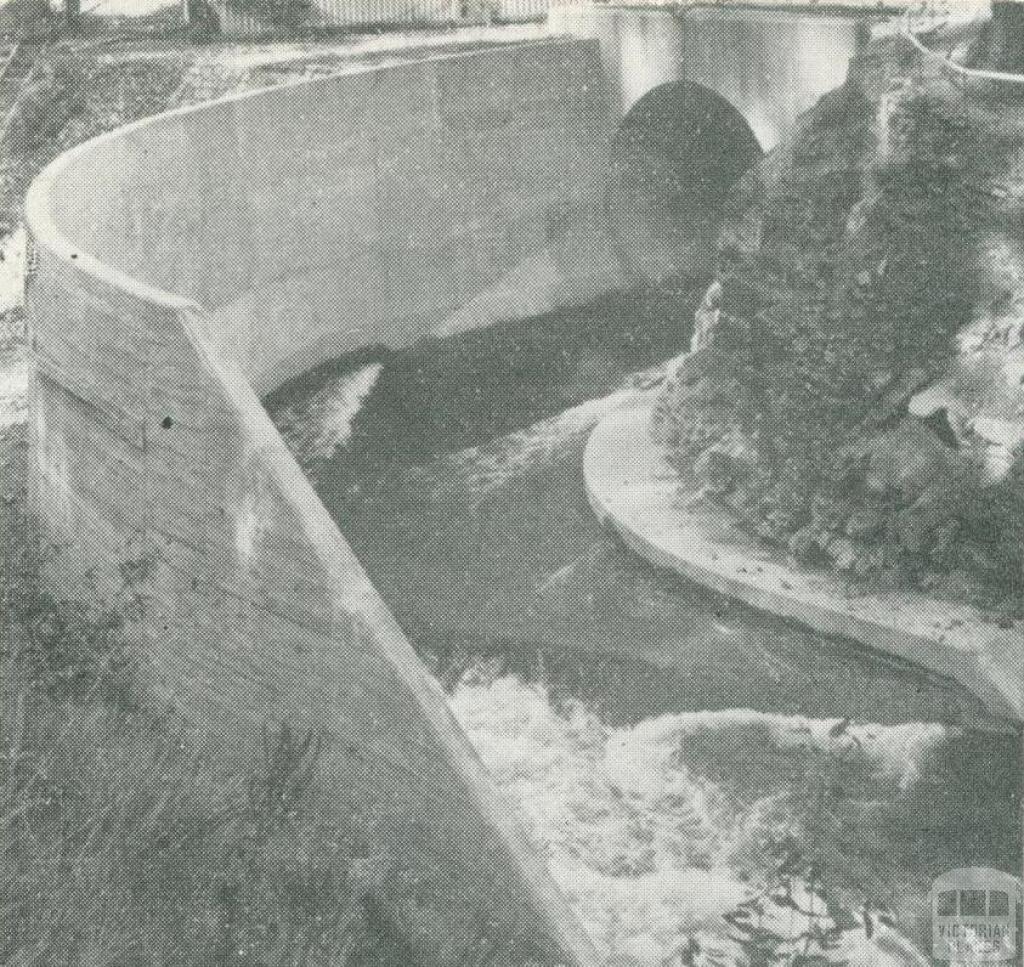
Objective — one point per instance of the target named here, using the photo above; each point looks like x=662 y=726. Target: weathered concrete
x=700 y=91
x=186 y=260
x=421 y=188
x=771 y=65
x=632 y=488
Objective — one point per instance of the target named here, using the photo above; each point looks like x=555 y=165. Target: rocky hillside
x=859 y=395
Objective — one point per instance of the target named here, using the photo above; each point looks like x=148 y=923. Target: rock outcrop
x=854 y=392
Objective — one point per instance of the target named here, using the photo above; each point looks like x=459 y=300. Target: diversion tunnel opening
x=674 y=159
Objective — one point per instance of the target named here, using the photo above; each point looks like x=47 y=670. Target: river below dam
x=673 y=753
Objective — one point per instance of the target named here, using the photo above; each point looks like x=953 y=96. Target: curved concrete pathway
x=633 y=490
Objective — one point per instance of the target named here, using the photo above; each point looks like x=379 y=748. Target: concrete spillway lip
x=634 y=491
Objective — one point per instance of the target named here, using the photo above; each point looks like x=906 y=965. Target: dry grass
x=128 y=838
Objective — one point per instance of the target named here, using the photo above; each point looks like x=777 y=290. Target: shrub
x=55 y=93
x=126 y=840
x=277 y=13
x=129 y=837
x=203 y=21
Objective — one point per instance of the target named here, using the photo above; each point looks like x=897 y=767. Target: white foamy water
x=647 y=848
x=314 y=428
x=12 y=269
x=653 y=831
x=483 y=469
x=13 y=388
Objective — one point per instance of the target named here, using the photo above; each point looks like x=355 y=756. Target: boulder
x=723 y=464
x=940 y=406
x=844 y=553
x=1004 y=433
x=804 y=546
x=1001 y=441
x=935 y=397
x=864 y=524
x=705 y=319
x=918 y=523
x=870 y=560
x=1013 y=368
x=906 y=460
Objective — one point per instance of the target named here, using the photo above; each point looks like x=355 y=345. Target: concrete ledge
x=634 y=491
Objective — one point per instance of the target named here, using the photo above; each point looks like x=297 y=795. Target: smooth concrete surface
x=634 y=491
x=771 y=65
x=317 y=218
x=189 y=259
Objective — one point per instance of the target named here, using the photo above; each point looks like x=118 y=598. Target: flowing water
x=703 y=779
x=673 y=753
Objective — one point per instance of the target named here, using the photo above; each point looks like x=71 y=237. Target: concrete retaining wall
x=633 y=490
x=187 y=259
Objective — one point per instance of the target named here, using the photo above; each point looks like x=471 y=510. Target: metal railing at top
x=390 y=11
x=235 y=19
x=929 y=20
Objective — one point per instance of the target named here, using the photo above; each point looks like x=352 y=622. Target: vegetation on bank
x=849 y=266
x=128 y=837
x=276 y=13
x=73 y=94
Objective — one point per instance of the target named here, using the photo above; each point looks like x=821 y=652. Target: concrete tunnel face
x=674 y=159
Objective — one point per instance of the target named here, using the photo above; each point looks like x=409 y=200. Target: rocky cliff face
x=859 y=401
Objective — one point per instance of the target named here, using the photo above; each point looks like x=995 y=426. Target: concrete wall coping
x=633 y=490
x=951 y=66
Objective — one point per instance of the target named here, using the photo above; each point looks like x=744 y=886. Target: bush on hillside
x=55 y=93
x=203 y=21
x=25 y=16
x=276 y=13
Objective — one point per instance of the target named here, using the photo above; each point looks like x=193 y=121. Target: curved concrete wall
x=316 y=218
x=183 y=261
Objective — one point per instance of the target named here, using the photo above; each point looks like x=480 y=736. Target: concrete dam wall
x=700 y=92
x=188 y=261
x=771 y=65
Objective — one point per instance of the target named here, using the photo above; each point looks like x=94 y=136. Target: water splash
x=316 y=427
x=649 y=848
x=13 y=249
x=482 y=470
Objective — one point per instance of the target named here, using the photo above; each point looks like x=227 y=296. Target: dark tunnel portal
x=674 y=158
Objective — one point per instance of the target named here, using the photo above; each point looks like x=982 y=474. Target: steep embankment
x=861 y=401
